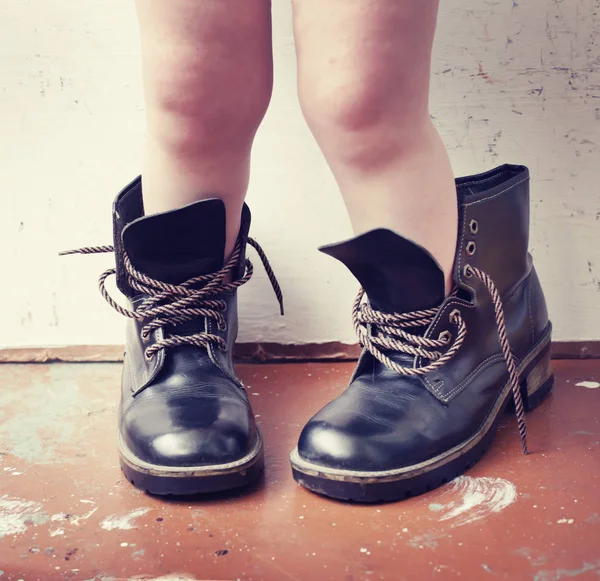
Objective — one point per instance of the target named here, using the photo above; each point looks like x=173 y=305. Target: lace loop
x=379 y=332
x=167 y=304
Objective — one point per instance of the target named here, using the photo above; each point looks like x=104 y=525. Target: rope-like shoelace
x=174 y=304
x=392 y=335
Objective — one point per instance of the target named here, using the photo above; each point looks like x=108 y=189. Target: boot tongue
x=398 y=275
x=178 y=245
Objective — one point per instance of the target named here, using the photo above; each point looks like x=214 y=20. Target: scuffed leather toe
x=342 y=437
x=333 y=447
x=179 y=436
x=375 y=428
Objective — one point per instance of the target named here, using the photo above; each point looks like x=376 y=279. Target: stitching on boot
x=496 y=194
x=484 y=364
x=529 y=309
x=494 y=175
x=432 y=388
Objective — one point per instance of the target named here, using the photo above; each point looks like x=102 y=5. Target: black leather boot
x=436 y=372
x=185 y=423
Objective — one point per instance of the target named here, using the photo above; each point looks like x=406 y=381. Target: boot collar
x=401 y=276
x=171 y=246
x=397 y=274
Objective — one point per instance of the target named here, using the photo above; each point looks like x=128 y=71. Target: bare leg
x=364 y=88
x=208 y=80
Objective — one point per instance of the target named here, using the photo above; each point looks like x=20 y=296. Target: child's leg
x=208 y=80
x=364 y=83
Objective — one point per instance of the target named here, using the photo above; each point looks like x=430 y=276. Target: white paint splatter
x=72 y=518
x=123 y=522
x=588 y=384
x=429 y=539
x=57 y=532
x=562 y=521
x=475 y=498
x=75 y=519
x=436 y=507
x=17 y=514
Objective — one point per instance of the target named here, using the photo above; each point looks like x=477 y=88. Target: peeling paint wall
x=512 y=82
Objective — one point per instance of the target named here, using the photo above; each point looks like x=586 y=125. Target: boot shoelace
x=173 y=304
x=393 y=334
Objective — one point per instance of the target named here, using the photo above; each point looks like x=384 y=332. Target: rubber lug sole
x=191 y=480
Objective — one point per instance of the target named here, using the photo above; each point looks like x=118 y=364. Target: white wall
x=512 y=82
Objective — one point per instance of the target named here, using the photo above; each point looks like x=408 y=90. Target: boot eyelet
x=455 y=316
x=474 y=227
x=467 y=271
x=146 y=356
x=471 y=248
x=445 y=336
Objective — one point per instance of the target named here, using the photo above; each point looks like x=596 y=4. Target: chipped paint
x=558 y=574
x=123 y=521
x=436 y=507
x=16 y=515
x=428 y=540
x=535 y=558
x=72 y=518
x=47 y=434
x=472 y=499
x=57 y=532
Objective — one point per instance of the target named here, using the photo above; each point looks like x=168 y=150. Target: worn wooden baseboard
x=252 y=352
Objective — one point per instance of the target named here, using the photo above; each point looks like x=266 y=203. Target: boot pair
x=435 y=374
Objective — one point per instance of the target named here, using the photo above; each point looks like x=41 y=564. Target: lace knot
x=166 y=305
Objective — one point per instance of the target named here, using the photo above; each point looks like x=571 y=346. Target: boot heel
x=538 y=379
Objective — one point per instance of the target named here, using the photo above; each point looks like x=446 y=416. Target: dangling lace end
x=269 y=271
x=506 y=351
x=523 y=434
x=522 y=424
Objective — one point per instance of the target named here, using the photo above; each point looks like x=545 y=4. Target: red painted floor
x=67 y=513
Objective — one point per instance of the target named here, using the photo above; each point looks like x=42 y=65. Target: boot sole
x=191 y=480
x=537 y=380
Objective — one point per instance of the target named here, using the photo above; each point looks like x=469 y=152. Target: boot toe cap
x=333 y=447
x=366 y=436
x=344 y=447
x=178 y=437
